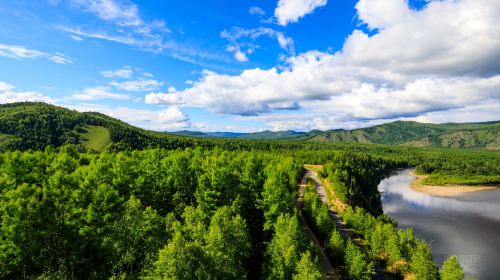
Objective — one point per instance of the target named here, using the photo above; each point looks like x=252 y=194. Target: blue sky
x=253 y=65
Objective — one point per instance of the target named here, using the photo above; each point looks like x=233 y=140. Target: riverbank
x=444 y=191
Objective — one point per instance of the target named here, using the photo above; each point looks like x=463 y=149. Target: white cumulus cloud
x=5 y=87
x=26 y=96
x=169 y=119
x=8 y=95
x=441 y=58
x=292 y=10
x=172 y=114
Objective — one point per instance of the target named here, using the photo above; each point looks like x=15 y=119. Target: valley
x=87 y=188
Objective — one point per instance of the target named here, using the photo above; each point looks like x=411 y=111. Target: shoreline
x=444 y=191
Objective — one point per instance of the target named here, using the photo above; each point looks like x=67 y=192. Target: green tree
x=137 y=236
x=307 y=269
x=179 y=260
x=284 y=250
x=421 y=263
x=227 y=245
x=358 y=265
x=451 y=270
x=336 y=246
x=21 y=231
x=276 y=198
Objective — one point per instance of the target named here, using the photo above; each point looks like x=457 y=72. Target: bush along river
x=466 y=225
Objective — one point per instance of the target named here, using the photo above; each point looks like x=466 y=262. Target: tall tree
x=421 y=263
x=307 y=269
x=451 y=270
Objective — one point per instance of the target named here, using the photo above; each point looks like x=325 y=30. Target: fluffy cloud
x=447 y=38
x=5 y=87
x=239 y=55
x=20 y=52
x=27 y=96
x=173 y=118
x=7 y=95
x=292 y=10
x=169 y=119
x=441 y=58
x=241 y=41
x=96 y=93
x=383 y=13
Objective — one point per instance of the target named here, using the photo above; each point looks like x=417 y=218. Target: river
x=467 y=225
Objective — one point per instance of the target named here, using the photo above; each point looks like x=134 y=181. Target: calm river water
x=467 y=225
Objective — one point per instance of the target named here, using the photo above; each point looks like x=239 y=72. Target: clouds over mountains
x=441 y=58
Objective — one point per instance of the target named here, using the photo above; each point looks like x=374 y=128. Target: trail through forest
x=326 y=265
x=342 y=227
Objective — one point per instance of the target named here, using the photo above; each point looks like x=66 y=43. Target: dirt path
x=326 y=265
x=342 y=227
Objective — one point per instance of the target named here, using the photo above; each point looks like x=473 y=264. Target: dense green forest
x=85 y=196
x=184 y=214
x=26 y=126
x=150 y=214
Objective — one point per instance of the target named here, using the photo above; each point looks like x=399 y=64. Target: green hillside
x=450 y=135
x=31 y=125
x=36 y=125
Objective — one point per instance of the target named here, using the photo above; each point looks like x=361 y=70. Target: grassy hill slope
x=96 y=137
x=450 y=135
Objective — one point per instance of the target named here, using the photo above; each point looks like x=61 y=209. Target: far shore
x=445 y=191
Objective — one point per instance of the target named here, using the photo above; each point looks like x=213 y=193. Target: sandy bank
x=446 y=191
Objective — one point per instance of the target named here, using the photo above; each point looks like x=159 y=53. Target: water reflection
x=467 y=225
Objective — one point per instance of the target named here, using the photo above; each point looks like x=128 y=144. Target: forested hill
x=31 y=125
x=450 y=135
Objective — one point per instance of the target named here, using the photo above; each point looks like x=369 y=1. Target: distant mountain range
x=267 y=134
x=31 y=125
x=484 y=135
